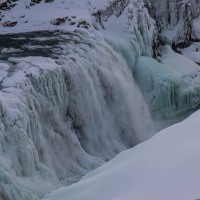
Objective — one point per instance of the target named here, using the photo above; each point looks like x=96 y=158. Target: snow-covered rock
x=192 y=52
x=174 y=19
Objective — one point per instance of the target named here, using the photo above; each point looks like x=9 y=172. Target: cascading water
x=68 y=100
x=65 y=115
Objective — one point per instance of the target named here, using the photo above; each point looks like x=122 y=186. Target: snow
x=164 y=167
x=192 y=52
x=39 y=16
x=196 y=28
x=179 y=63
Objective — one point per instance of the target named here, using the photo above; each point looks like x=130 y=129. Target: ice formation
x=174 y=19
x=76 y=109
x=171 y=86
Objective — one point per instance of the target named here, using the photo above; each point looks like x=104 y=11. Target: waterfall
x=65 y=115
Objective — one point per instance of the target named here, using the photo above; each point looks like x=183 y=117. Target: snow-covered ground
x=164 y=167
x=192 y=52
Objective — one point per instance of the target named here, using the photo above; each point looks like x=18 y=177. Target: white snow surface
x=181 y=64
x=196 y=28
x=192 y=52
x=164 y=167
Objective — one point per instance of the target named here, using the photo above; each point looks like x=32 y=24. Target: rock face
x=174 y=19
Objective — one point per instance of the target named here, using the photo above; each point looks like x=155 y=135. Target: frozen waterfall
x=76 y=109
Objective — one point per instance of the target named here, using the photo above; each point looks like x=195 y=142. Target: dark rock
x=48 y=1
x=58 y=21
x=73 y=23
x=6 y=5
x=33 y=2
x=83 y=24
x=9 y=23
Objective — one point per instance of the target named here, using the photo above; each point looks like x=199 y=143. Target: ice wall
x=128 y=28
x=65 y=115
x=174 y=19
x=171 y=86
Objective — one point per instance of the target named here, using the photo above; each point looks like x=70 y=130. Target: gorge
x=86 y=80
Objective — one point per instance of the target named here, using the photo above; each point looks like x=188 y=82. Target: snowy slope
x=164 y=167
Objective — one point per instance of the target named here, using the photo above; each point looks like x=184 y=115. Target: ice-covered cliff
x=174 y=19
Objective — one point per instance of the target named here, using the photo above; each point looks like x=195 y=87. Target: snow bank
x=179 y=63
x=192 y=52
x=164 y=167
